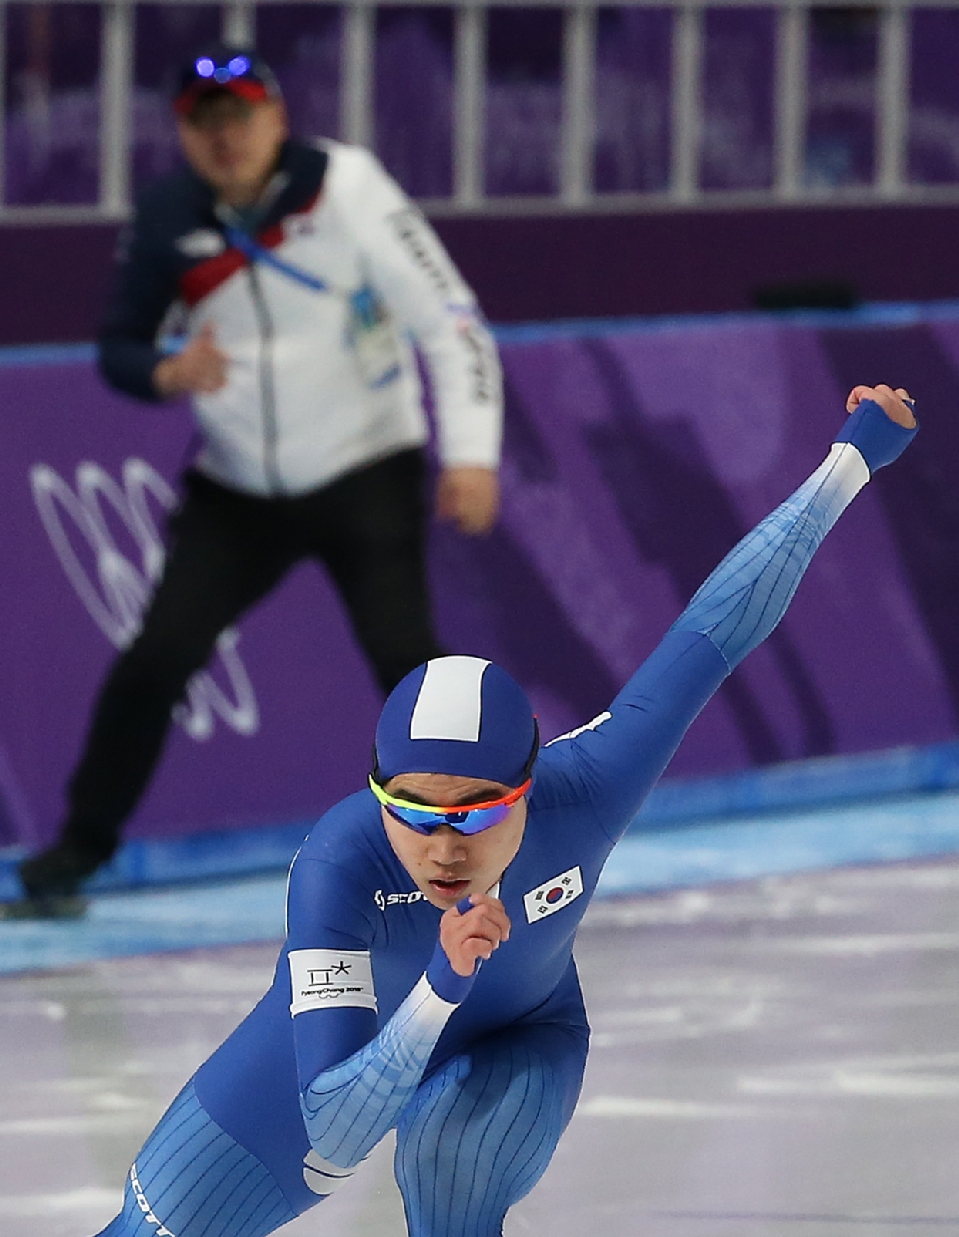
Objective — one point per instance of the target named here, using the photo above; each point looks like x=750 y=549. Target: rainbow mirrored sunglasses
x=469 y=818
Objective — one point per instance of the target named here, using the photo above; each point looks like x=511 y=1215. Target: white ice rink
x=779 y=1056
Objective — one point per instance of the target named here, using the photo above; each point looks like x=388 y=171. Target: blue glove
x=878 y=439
x=440 y=975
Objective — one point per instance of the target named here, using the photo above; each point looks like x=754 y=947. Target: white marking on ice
x=864 y=946
x=89 y=1198
x=891 y=1077
x=80 y=1126
x=694 y=1110
x=888 y=1086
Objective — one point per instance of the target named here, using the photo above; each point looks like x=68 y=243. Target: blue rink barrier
x=802 y=783
x=883 y=313
x=228 y=889
x=677 y=804
x=247 y=909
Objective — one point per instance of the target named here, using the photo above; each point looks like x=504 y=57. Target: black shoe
x=57 y=872
x=54 y=907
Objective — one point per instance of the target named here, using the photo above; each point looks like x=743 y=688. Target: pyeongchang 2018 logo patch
x=552 y=895
x=328 y=978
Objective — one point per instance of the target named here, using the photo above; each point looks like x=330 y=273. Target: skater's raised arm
x=615 y=761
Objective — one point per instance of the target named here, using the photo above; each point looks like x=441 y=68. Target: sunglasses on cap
x=469 y=818
x=240 y=73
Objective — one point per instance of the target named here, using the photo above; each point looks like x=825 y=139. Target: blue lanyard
x=257 y=253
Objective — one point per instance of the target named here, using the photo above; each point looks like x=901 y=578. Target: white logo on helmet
x=449 y=704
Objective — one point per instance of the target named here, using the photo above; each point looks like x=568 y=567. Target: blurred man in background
x=300 y=272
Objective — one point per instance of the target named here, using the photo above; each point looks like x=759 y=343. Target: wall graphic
x=115 y=587
x=634 y=459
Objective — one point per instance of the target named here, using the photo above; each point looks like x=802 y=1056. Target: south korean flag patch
x=552 y=895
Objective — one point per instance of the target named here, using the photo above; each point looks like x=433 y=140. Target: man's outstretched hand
x=891 y=402
x=474 y=934
x=468 y=497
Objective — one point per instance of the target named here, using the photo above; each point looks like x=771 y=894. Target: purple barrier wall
x=55 y=279
x=634 y=461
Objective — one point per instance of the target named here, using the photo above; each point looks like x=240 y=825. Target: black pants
x=228 y=550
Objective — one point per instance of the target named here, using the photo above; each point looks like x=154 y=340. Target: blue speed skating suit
x=366 y=1028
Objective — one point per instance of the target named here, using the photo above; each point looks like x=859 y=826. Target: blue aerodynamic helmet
x=459 y=715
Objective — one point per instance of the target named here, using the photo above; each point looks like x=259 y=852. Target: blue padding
x=48 y=354
x=828 y=780
x=200 y=856
x=149 y=921
x=244 y=911
x=878 y=439
x=890 y=831
x=879 y=314
x=673 y=804
x=170 y=861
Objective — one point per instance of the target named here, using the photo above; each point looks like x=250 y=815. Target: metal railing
x=576 y=191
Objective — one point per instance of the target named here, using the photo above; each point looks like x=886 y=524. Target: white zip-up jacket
x=317 y=313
